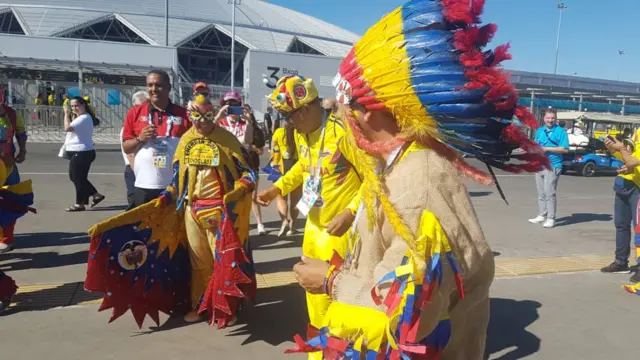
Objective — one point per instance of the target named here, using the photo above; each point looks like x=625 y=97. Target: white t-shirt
x=148 y=176
x=81 y=138
x=124 y=156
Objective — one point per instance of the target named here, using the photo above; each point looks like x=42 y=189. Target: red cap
x=200 y=85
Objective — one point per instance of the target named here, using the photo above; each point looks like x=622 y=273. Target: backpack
x=259 y=139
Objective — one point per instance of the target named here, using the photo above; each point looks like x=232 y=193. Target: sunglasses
x=196 y=116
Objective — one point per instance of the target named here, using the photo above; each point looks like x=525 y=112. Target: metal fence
x=45 y=122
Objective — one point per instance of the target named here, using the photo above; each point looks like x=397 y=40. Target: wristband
x=325 y=286
x=332 y=279
x=138 y=140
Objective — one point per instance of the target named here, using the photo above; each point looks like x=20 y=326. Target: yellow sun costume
x=415 y=283
x=150 y=258
x=340 y=182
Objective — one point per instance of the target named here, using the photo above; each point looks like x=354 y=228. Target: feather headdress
x=424 y=62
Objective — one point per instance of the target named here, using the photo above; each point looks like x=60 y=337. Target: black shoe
x=635 y=278
x=616 y=268
x=4 y=305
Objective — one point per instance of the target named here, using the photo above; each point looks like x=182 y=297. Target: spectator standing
x=138 y=98
x=78 y=145
x=554 y=141
x=152 y=132
x=626 y=187
x=247 y=131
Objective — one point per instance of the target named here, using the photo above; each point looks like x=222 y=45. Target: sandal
x=74 y=208
x=97 y=200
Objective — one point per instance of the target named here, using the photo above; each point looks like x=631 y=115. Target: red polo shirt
x=138 y=118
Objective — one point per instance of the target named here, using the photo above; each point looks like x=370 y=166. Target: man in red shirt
x=152 y=132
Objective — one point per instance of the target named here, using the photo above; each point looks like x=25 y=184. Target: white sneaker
x=549 y=223
x=538 y=219
x=261 y=230
x=5 y=248
x=283 y=229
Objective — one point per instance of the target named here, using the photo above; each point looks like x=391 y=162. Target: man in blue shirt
x=554 y=141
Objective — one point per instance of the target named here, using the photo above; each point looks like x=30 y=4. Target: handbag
x=63 y=153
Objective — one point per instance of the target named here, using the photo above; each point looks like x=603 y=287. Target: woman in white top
x=79 y=147
x=242 y=127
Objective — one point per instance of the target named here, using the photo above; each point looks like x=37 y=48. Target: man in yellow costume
x=143 y=259
x=325 y=171
x=418 y=91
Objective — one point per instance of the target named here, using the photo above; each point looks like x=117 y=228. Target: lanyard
x=169 y=121
x=319 y=164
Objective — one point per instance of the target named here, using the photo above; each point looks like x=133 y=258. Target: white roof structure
x=598 y=117
x=259 y=25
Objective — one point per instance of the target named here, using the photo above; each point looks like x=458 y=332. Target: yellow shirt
x=635 y=175
x=339 y=191
x=281 y=146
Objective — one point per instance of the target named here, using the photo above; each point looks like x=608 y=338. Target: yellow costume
x=340 y=183
x=280 y=155
x=209 y=226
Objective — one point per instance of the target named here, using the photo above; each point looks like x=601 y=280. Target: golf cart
x=590 y=157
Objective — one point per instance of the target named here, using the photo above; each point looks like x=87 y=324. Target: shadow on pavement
x=508 y=329
x=36 y=240
x=109 y=208
x=41 y=260
x=281 y=313
x=480 y=193
x=581 y=218
x=269 y=267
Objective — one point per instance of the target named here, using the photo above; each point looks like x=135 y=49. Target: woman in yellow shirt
x=283 y=156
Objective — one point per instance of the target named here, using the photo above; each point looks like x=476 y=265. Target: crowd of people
x=394 y=261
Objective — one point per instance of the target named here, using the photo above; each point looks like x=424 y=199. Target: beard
x=371 y=147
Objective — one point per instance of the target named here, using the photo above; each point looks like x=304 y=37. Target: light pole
x=166 y=22
x=561 y=6
x=233 y=39
x=620 y=54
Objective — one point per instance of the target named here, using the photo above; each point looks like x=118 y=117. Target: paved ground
x=537 y=314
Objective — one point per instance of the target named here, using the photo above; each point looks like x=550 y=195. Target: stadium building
x=103 y=49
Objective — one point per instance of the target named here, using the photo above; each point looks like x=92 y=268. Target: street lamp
x=561 y=6
x=620 y=54
x=166 y=23
x=233 y=39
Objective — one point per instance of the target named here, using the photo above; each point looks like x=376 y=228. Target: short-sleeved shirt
x=170 y=125
x=81 y=138
x=553 y=137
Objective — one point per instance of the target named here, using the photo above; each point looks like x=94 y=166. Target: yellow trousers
x=202 y=244
x=317 y=243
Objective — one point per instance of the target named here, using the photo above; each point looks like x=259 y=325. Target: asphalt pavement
x=544 y=305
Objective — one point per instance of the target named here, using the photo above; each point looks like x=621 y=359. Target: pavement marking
x=48 y=296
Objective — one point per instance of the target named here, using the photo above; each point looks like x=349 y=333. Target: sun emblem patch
x=300 y=91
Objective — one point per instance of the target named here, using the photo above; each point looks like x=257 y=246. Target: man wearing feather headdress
x=418 y=91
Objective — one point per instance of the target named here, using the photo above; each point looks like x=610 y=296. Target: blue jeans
x=625 y=214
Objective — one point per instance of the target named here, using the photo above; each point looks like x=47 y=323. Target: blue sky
x=592 y=31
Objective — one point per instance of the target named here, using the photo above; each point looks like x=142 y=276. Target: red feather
x=525 y=117
x=485 y=34
x=473 y=58
x=500 y=54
